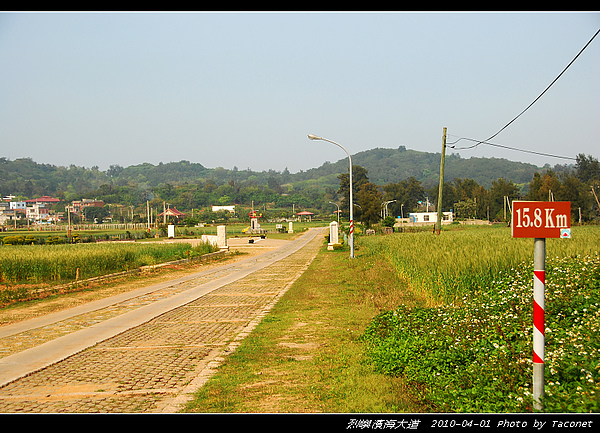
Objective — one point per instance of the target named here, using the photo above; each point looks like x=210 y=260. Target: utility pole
x=439 y=199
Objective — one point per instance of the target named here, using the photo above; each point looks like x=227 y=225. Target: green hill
x=393 y=165
x=24 y=177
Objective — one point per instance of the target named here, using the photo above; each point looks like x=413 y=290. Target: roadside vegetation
x=471 y=349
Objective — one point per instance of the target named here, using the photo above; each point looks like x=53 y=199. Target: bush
x=388 y=221
x=476 y=356
x=13 y=240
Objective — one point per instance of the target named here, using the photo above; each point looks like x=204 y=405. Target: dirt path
x=149 y=349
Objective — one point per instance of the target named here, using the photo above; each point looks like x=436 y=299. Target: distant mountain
x=25 y=177
x=394 y=165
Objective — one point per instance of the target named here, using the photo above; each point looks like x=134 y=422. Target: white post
x=222 y=237
x=333 y=235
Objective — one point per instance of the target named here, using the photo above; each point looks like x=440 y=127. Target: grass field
x=470 y=348
x=24 y=267
x=445 y=268
x=421 y=323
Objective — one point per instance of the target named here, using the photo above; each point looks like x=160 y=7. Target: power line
x=527 y=108
x=513 y=148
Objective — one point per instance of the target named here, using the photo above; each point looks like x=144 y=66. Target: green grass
x=64 y=262
x=474 y=354
x=444 y=268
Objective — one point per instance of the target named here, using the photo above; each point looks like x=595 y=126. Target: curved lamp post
x=386 y=207
x=338 y=211
x=314 y=137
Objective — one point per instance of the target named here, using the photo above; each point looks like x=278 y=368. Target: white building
x=230 y=209
x=429 y=217
x=38 y=212
x=20 y=205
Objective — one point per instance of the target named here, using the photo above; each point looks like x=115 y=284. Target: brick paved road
x=156 y=365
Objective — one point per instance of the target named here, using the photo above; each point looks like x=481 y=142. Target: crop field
x=469 y=347
x=22 y=265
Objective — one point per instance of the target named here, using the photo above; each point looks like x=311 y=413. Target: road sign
x=541 y=219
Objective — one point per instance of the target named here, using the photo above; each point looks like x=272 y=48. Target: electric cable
x=514 y=148
x=527 y=108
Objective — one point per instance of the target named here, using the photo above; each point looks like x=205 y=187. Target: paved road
x=147 y=350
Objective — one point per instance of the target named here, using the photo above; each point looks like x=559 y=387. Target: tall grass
x=444 y=268
x=44 y=263
x=472 y=350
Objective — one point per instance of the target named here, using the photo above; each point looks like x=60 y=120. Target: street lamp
x=338 y=211
x=314 y=137
x=386 y=206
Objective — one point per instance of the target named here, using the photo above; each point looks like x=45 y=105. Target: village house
x=38 y=212
x=77 y=206
x=429 y=217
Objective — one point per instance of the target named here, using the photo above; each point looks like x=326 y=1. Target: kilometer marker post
x=539 y=294
x=540 y=220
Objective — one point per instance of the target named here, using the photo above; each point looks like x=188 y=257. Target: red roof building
x=44 y=199
x=172 y=212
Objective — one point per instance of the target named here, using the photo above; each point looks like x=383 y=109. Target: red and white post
x=539 y=282
x=540 y=220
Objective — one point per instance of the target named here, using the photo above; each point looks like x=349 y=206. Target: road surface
x=147 y=350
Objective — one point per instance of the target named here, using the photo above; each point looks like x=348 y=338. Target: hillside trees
x=574 y=186
x=403 y=175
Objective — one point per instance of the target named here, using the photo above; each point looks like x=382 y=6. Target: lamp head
x=313 y=137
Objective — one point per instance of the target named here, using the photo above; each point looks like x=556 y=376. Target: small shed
x=306 y=214
x=172 y=212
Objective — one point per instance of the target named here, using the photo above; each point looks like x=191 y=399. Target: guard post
x=540 y=220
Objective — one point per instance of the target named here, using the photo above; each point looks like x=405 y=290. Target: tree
x=543 y=186
x=359 y=178
x=114 y=170
x=369 y=198
x=449 y=196
x=465 y=209
x=574 y=190
x=587 y=169
x=407 y=194
x=501 y=188
x=388 y=221
x=96 y=214
x=465 y=188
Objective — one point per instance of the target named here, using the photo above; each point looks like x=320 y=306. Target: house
x=18 y=205
x=38 y=212
x=306 y=214
x=6 y=213
x=230 y=209
x=77 y=206
x=429 y=217
x=172 y=212
x=43 y=200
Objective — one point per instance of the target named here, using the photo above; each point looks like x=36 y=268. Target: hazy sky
x=245 y=89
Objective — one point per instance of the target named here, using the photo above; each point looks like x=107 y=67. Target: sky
x=244 y=89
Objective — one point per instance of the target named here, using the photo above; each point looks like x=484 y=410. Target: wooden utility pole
x=439 y=198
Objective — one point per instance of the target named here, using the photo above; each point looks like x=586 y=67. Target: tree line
x=192 y=188
x=467 y=199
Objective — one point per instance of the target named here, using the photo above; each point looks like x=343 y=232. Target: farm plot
x=34 y=264
x=470 y=349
